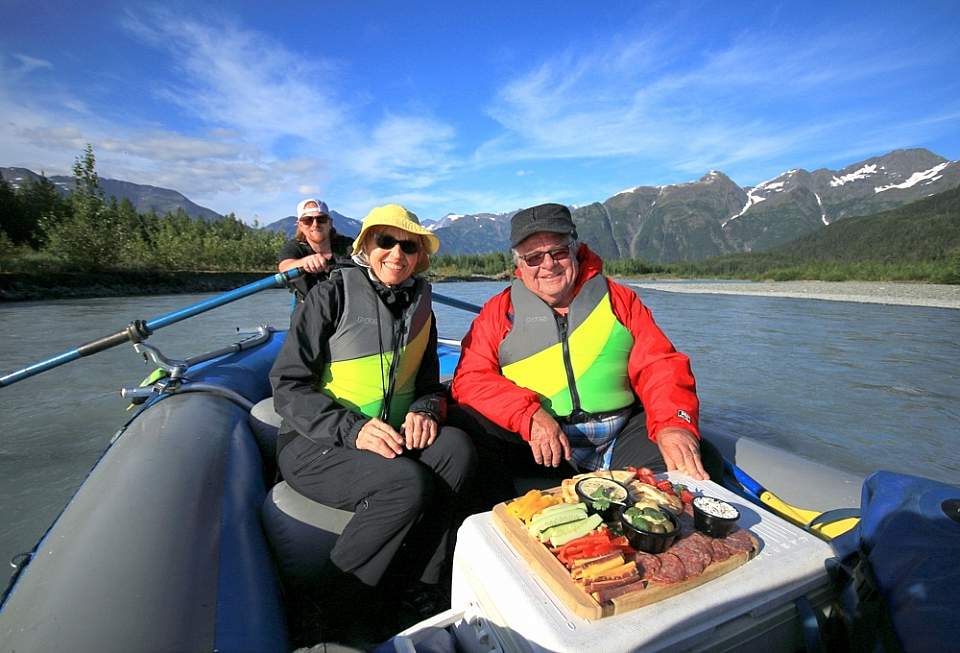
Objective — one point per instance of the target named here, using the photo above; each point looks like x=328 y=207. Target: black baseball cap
x=543 y=217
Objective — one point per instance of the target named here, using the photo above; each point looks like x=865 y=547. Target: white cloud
x=690 y=111
x=28 y=64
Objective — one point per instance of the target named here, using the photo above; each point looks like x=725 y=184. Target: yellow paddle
x=826 y=525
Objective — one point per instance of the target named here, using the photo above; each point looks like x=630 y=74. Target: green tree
x=90 y=238
x=39 y=200
x=11 y=214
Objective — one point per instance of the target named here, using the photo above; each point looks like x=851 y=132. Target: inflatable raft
x=170 y=543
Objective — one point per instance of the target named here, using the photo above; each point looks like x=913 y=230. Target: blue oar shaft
x=748 y=482
x=276 y=281
x=456 y=303
x=139 y=330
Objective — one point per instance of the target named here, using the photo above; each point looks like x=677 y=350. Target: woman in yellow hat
x=357 y=385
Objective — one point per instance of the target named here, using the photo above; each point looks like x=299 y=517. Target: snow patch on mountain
x=861 y=173
x=928 y=176
x=823 y=213
x=754 y=197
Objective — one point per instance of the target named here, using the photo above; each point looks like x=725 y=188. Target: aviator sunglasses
x=307 y=220
x=384 y=241
x=535 y=259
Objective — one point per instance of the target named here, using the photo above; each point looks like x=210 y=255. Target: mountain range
x=344 y=225
x=714 y=216
x=680 y=222
x=144 y=198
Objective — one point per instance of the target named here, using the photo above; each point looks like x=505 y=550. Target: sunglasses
x=384 y=241
x=307 y=220
x=535 y=259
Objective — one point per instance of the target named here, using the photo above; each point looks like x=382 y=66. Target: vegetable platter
x=591 y=566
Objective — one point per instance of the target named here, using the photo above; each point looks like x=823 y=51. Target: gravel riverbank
x=871 y=292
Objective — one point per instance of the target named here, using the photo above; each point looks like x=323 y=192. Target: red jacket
x=659 y=374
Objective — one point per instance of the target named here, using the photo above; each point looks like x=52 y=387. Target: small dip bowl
x=603 y=496
x=714 y=517
x=650 y=541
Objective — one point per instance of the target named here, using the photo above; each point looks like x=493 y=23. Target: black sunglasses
x=535 y=259
x=385 y=241
x=307 y=220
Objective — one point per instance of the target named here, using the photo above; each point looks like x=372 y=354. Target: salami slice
x=719 y=550
x=701 y=543
x=647 y=565
x=671 y=569
x=692 y=561
x=738 y=541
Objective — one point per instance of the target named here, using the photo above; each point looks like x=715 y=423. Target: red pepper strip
x=665 y=486
x=599 y=536
x=649 y=480
x=599 y=549
x=581 y=546
x=686 y=496
x=620 y=541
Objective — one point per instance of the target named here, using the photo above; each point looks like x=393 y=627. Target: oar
x=827 y=525
x=140 y=330
x=456 y=303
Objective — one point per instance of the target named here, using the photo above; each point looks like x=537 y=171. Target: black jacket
x=300 y=363
x=297 y=249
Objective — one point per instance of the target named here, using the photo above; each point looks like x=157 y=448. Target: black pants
x=413 y=498
x=508 y=468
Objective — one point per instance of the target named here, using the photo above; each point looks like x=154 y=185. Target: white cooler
x=499 y=604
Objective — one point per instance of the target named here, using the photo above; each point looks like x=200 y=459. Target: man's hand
x=381 y=438
x=548 y=442
x=681 y=451
x=419 y=430
x=314 y=263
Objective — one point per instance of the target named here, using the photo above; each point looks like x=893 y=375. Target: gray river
x=858 y=386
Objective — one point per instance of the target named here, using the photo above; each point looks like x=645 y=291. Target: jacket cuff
x=526 y=421
x=434 y=405
x=350 y=437
x=676 y=423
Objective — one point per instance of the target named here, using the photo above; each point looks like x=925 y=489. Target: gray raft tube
x=161 y=548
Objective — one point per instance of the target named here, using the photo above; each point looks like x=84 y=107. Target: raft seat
x=301 y=531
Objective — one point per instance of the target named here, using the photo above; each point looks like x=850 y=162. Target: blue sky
x=250 y=106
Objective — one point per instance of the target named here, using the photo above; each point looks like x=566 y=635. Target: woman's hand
x=681 y=451
x=419 y=430
x=314 y=263
x=380 y=438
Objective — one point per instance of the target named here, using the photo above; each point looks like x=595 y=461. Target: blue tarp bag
x=899 y=568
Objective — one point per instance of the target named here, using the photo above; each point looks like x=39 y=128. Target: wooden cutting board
x=555 y=576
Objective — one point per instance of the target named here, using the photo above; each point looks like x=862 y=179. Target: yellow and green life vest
x=368 y=341
x=583 y=369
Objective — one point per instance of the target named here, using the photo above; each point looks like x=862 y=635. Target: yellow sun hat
x=394 y=215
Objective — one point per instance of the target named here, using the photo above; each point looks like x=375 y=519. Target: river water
x=859 y=386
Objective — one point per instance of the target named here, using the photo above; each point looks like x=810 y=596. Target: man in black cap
x=568 y=366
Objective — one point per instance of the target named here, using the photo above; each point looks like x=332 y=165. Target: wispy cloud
x=631 y=100
x=271 y=122
x=240 y=78
x=26 y=64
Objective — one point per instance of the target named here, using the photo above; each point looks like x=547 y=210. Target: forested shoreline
x=85 y=245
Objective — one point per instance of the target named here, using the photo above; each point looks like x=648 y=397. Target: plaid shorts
x=592 y=441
